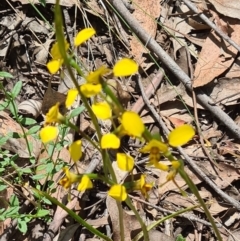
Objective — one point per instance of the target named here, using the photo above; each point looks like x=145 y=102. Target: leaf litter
x=215 y=67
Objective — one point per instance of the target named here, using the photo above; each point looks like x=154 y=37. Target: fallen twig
x=175 y=69
x=194 y=166
x=211 y=24
x=151 y=88
x=184 y=215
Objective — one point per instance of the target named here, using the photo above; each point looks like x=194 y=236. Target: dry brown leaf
x=225 y=90
x=176 y=121
x=230 y=8
x=145 y=13
x=214 y=207
x=211 y=132
x=30 y=106
x=216 y=55
x=234 y=71
x=95 y=8
x=182 y=27
x=155 y=235
x=224 y=177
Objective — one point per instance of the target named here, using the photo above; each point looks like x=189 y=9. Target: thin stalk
x=11 y=100
x=120 y=211
x=74 y=215
x=202 y=203
x=61 y=41
x=155 y=224
x=144 y=228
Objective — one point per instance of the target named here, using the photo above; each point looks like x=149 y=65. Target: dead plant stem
x=196 y=114
x=194 y=166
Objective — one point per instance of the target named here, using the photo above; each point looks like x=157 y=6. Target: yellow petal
x=55 y=51
x=54 y=65
x=154 y=145
x=75 y=150
x=83 y=36
x=85 y=184
x=125 y=67
x=132 y=124
x=118 y=192
x=161 y=166
x=125 y=162
x=176 y=164
x=69 y=179
x=102 y=110
x=181 y=135
x=53 y=115
x=90 y=90
x=48 y=133
x=94 y=77
x=71 y=96
x=110 y=141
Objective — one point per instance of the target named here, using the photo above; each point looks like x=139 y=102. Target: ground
x=202 y=90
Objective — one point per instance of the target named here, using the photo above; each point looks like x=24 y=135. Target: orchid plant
x=130 y=124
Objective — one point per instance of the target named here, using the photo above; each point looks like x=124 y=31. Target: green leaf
x=41 y=167
x=22 y=225
x=77 y=111
x=32 y=159
x=45 y=200
x=14 y=201
x=3 y=105
x=28 y=121
x=39 y=176
x=180 y=238
x=49 y=167
x=42 y=212
x=3 y=187
x=43 y=2
x=26 y=170
x=3 y=140
x=5 y=75
x=11 y=211
x=33 y=130
x=16 y=89
x=12 y=107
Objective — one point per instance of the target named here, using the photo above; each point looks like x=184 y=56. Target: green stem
x=61 y=42
x=108 y=165
x=144 y=228
x=17 y=119
x=113 y=97
x=75 y=216
x=202 y=203
x=120 y=211
x=155 y=224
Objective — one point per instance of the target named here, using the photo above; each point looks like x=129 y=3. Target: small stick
x=151 y=88
x=196 y=114
x=194 y=166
